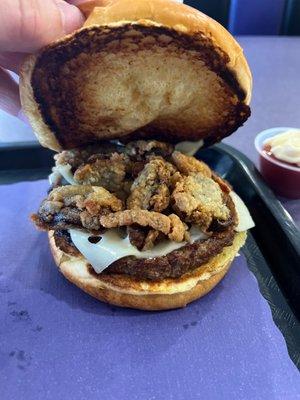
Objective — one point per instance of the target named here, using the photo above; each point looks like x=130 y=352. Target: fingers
x=27 y=25
x=71 y=16
x=86 y=6
x=12 y=61
x=98 y=3
x=77 y=2
x=9 y=94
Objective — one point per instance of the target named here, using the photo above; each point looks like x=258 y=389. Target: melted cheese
x=245 y=220
x=54 y=177
x=189 y=148
x=64 y=171
x=112 y=247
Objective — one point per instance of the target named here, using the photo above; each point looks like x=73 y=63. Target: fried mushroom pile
x=145 y=187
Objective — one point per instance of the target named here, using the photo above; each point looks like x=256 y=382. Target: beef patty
x=168 y=194
x=172 y=265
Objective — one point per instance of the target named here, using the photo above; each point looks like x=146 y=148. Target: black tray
x=272 y=248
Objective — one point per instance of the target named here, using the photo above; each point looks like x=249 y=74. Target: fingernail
x=72 y=18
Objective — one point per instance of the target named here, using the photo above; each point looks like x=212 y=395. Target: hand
x=26 y=26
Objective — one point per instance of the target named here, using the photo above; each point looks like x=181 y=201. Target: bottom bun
x=124 y=291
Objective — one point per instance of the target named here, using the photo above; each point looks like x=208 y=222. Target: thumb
x=9 y=94
x=27 y=25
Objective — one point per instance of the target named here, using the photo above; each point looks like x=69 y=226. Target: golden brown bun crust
x=125 y=292
x=177 y=16
x=95 y=84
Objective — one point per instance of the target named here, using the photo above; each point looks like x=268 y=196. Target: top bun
x=137 y=69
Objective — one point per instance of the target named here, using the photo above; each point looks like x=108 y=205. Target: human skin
x=25 y=27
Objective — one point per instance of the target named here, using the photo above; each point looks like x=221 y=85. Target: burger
x=132 y=217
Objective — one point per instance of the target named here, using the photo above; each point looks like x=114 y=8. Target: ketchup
x=282 y=175
x=267 y=149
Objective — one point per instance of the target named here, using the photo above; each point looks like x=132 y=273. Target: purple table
x=275 y=65
x=58 y=343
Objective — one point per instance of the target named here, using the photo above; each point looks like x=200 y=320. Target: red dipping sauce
x=267 y=150
x=283 y=177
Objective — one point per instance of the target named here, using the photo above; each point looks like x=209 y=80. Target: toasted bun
x=138 y=68
x=124 y=291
